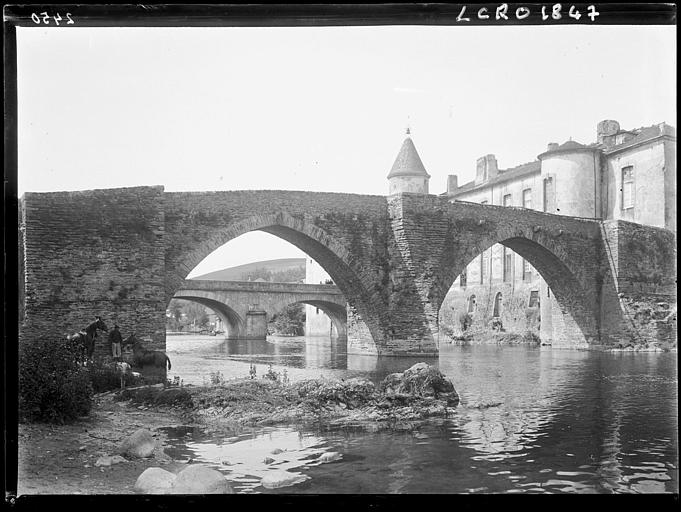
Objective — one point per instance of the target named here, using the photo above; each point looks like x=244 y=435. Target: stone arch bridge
x=245 y=307
x=124 y=253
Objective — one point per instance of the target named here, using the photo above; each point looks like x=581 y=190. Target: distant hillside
x=286 y=269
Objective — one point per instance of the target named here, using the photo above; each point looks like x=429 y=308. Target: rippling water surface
x=531 y=420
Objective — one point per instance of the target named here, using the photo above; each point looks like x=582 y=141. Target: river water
x=531 y=420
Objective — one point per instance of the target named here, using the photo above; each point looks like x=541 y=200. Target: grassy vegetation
x=419 y=393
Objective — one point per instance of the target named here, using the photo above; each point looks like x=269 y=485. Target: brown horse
x=86 y=337
x=142 y=357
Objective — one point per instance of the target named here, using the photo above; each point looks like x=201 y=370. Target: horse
x=142 y=357
x=86 y=337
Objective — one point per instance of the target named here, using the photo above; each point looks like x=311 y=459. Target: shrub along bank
x=55 y=386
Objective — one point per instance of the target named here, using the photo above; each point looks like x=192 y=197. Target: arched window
x=471 y=304
x=534 y=299
x=497 y=305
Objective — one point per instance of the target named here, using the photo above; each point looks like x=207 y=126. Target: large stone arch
x=565 y=276
x=234 y=323
x=336 y=259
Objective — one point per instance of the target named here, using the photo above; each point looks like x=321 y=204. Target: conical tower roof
x=408 y=161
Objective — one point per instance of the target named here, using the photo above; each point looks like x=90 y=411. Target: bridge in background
x=245 y=307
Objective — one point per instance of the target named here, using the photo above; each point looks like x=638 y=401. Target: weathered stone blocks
x=124 y=253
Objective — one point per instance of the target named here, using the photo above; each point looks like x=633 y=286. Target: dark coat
x=115 y=336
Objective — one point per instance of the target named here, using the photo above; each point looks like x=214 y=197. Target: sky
x=319 y=108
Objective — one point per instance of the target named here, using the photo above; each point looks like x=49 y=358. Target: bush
x=216 y=378
x=53 y=387
x=352 y=392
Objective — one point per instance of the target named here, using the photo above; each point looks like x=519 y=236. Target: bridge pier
x=256 y=325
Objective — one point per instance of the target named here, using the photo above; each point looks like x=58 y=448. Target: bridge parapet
x=253 y=286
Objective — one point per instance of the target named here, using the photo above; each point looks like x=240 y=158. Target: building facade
x=317 y=323
x=625 y=175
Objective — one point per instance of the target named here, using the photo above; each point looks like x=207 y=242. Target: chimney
x=552 y=146
x=606 y=131
x=452 y=184
x=486 y=168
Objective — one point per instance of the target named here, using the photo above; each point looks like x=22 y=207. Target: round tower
x=571 y=180
x=408 y=173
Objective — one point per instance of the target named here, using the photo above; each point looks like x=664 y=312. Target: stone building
x=625 y=175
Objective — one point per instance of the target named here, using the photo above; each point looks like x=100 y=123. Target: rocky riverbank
x=418 y=393
x=93 y=456
x=531 y=339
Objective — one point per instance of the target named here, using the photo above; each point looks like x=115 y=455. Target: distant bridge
x=245 y=307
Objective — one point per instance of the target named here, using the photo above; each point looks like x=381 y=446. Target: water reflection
x=530 y=420
x=247 y=458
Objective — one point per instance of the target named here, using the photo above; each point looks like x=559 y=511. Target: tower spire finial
x=408 y=131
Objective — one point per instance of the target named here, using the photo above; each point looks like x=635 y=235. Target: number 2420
x=46 y=18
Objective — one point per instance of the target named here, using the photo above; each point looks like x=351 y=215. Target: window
x=527 y=198
x=482 y=268
x=497 y=305
x=549 y=204
x=471 y=304
x=534 y=299
x=627 y=187
x=508 y=200
x=508 y=264
x=463 y=277
x=527 y=270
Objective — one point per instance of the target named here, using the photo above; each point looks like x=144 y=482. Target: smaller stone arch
x=236 y=326
x=337 y=314
x=575 y=299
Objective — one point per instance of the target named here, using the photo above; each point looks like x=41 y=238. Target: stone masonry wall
x=644 y=263
x=97 y=252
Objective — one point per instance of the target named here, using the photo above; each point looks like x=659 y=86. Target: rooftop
x=408 y=161
x=569 y=146
x=638 y=136
x=643 y=134
x=504 y=175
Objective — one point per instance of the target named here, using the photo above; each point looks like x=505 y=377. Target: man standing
x=116 y=339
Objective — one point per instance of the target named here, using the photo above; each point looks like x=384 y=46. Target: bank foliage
x=53 y=386
x=290 y=321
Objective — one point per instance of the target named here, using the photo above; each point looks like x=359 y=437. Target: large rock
x=197 y=479
x=277 y=479
x=421 y=380
x=155 y=481
x=140 y=444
